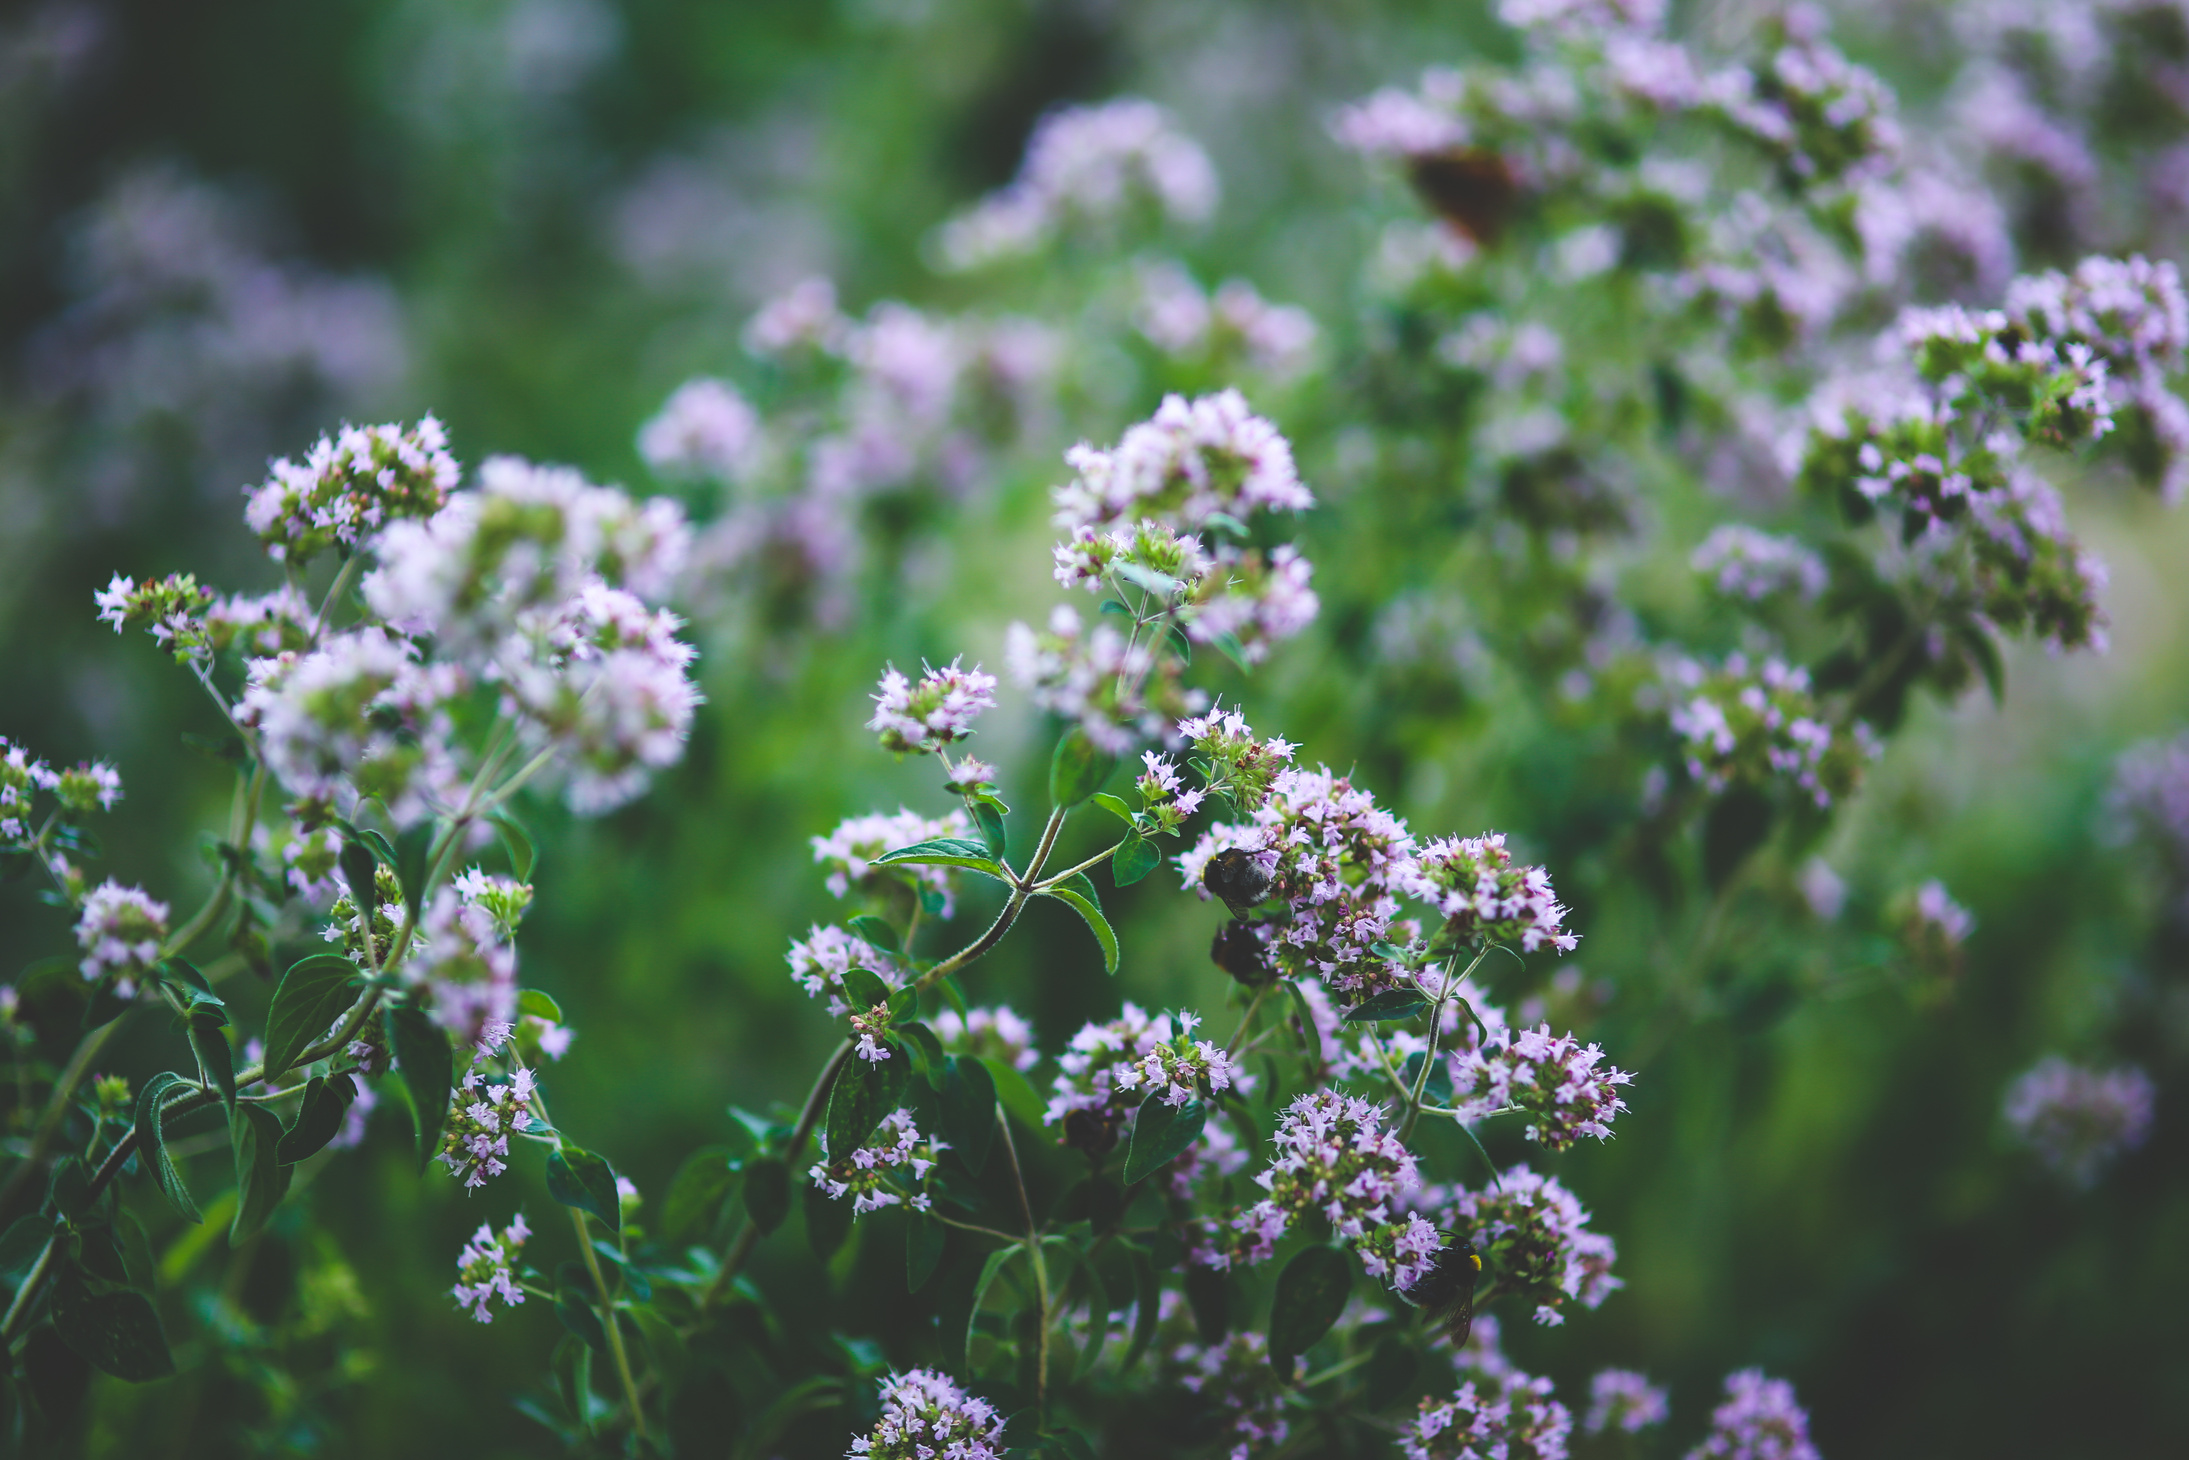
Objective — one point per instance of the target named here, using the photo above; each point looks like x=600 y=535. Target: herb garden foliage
x=1303 y=1210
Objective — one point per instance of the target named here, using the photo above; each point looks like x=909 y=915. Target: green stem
x=1246 y=1020
x=748 y=1236
x=608 y=1320
x=1065 y=876
x=1041 y=1269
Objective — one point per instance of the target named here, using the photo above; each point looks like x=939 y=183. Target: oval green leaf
x=423 y=1059
x=311 y=995
x=1077 y=769
x=1311 y=1293
x=578 y=1178
x=1161 y=1132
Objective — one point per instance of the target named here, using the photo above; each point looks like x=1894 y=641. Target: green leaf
x=672 y=1356
x=1160 y=1133
x=877 y=933
x=767 y=1192
x=864 y=988
x=518 y=843
x=22 y=1242
x=864 y=1092
x=828 y=1222
x=117 y=1333
x=1310 y=1031
x=925 y=1047
x=1147 y=1307
x=1208 y=1294
x=310 y=997
x=990 y=822
x=945 y=851
x=413 y=845
x=68 y=1190
x=356 y=861
x=379 y=846
x=318 y=1120
x=1079 y=894
x=422 y=1057
x=696 y=1194
x=635 y=1282
x=954 y=995
x=1078 y=769
x=923 y=1247
x=1134 y=859
x=1402 y=1003
x=204 y=1006
x=152 y=1142
x=539 y=1006
x=968 y=1098
x=578 y=1316
x=1017 y=1096
x=578 y=1178
x=1311 y=1293
x=216 y=1061
x=261 y=1179
x=1116 y=806
x=989 y=1269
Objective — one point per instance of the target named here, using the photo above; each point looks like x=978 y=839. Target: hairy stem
x=608 y=1320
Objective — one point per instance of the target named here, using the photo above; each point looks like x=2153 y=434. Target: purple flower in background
x=2076 y=1119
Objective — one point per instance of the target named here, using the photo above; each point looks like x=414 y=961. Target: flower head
x=1555 y=1081
x=937 y=710
x=1622 y=1399
x=2077 y=1119
x=1535 y=1235
x=996 y=1033
x=1759 y=1420
x=351 y=485
x=927 y=1417
x=891 y=1169
x=120 y=932
x=486 y=1269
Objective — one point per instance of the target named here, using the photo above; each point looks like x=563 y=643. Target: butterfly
x=1470 y=188
x=1446 y=1292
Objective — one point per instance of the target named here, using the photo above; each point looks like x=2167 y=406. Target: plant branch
x=608 y=1320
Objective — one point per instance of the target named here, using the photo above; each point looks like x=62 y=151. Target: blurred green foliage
x=575 y=205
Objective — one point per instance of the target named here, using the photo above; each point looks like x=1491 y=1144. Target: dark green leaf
x=990 y=822
x=539 y=1006
x=944 y=851
x=864 y=1092
x=1116 y=806
x=1079 y=894
x=117 y=1333
x=923 y=1246
x=310 y=997
x=578 y=1178
x=423 y=1059
x=356 y=861
x=1134 y=859
x=202 y=1004
x=1311 y=1293
x=877 y=933
x=1147 y=1307
x=518 y=843
x=1208 y=1294
x=672 y=1356
x=1401 y=1003
x=100 y=1254
x=577 y=1315
x=1310 y=1031
x=767 y=1192
x=696 y=1194
x=216 y=1061
x=864 y=989
x=152 y=1142
x=828 y=1222
x=954 y=995
x=989 y=1269
x=380 y=847
x=1017 y=1096
x=1391 y=1370
x=636 y=1283
x=969 y=1111
x=68 y=1189
x=1077 y=769
x=1098 y=1322
x=261 y=1179
x=22 y=1242
x=413 y=845
x=1160 y=1133
x=318 y=1120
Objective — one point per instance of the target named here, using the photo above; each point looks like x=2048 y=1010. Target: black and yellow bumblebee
x=1446 y=1292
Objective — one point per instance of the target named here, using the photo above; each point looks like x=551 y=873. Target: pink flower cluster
x=1536 y=1236
x=1483 y=898
x=481 y=1119
x=927 y=1417
x=1554 y=1081
x=940 y=708
x=870 y=1175
x=1759 y=1420
x=486 y=1268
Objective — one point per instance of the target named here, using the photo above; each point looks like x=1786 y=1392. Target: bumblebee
x=1446 y=1292
x=1471 y=189
x=1237 y=878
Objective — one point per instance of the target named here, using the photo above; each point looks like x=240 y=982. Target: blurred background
x=227 y=227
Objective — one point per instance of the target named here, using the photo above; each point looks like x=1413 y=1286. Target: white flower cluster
x=1746 y=564
x=1536 y=1235
x=927 y=1417
x=1109 y=1068
x=486 y=1268
x=481 y=1119
x=1483 y=898
x=120 y=932
x=1336 y=1161
x=1759 y=1420
x=1756 y=726
x=1554 y=1081
x=1087 y=164
x=706 y=429
x=463 y=967
x=2077 y=1119
x=1190 y=462
x=819 y=961
x=932 y=713
x=996 y=1033
x=1184 y=321
x=849 y=852
x=869 y=1175
x=351 y=485
x=1180 y=1068
x=1622 y=1399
